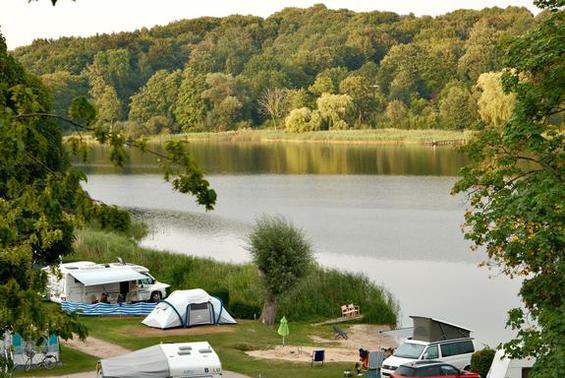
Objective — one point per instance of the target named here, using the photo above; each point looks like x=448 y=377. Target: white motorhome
x=504 y=367
x=85 y=281
x=177 y=360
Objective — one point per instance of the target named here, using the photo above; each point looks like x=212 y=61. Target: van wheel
x=155 y=297
x=468 y=368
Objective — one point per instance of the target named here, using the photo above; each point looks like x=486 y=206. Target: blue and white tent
x=187 y=308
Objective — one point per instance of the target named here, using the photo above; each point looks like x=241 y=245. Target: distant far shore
x=372 y=136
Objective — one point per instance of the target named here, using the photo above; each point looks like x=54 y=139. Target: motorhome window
x=408 y=350
x=147 y=281
x=431 y=353
x=199 y=306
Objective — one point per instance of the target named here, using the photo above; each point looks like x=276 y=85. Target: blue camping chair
x=318 y=356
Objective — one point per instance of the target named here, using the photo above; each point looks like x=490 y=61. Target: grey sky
x=21 y=22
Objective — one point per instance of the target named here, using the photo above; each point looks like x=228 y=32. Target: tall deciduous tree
x=282 y=255
x=457 y=108
x=494 y=105
x=157 y=97
x=42 y=200
x=516 y=185
x=273 y=104
x=190 y=109
x=335 y=110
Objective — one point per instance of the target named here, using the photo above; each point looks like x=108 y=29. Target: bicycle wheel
x=29 y=364
x=49 y=362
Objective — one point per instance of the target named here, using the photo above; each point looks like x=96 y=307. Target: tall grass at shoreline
x=317 y=297
x=367 y=136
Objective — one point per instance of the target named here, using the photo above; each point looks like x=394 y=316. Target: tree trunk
x=269 y=313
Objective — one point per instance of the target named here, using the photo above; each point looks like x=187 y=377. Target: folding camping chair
x=345 y=311
x=318 y=356
x=339 y=333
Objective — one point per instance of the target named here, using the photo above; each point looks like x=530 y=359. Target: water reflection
x=298 y=158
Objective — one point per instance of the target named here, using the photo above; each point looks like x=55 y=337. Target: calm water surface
x=385 y=211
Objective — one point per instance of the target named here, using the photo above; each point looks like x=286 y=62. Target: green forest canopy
x=335 y=68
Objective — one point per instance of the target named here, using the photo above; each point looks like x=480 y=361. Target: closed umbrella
x=283 y=328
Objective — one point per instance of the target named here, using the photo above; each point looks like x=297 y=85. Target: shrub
x=222 y=294
x=244 y=311
x=302 y=120
x=481 y=361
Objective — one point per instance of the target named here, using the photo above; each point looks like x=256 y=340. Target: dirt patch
x=366 y=336
x=201 y=330
x=95 y=347
x=299 y=353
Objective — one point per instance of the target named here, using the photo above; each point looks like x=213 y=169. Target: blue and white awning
x=101 y=276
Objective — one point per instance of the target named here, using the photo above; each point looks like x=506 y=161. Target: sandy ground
x=364 y=336
x=95 y=347
x=200 y=330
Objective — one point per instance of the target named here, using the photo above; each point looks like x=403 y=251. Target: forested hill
x=308 y=69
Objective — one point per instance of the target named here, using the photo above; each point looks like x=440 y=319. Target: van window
x=409 y=350
x=431 y=353
x=453 y=349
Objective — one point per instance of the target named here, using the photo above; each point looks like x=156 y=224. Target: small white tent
x=187 y=308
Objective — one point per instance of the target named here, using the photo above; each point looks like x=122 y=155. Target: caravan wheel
x=155 y=296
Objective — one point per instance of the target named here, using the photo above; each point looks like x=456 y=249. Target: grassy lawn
x=246 y=335
x=73 y=362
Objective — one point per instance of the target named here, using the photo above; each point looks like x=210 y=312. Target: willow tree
x=517 y=190
x=283 y=257
x=42 y=201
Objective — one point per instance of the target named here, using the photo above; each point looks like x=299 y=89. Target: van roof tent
x=430 y=330
x=101 y=276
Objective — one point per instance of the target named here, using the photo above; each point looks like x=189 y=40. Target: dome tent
x=187 y=308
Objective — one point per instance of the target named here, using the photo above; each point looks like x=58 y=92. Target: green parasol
x=283 y=328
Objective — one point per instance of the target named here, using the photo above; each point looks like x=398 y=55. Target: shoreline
x=398 y=137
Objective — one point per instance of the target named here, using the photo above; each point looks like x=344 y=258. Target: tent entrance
x=199 y=313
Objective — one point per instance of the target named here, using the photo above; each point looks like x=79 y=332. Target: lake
x=382 y=210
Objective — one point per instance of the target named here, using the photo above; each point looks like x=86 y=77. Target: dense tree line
x=303 y=69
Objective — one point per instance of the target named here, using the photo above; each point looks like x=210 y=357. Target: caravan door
x=199 y=313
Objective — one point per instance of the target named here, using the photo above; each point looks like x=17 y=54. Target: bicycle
x=49 y=361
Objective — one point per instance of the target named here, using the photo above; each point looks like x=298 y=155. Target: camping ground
x=232 y=343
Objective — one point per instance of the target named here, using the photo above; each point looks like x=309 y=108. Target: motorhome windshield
x=149 y=280
x=408 y=350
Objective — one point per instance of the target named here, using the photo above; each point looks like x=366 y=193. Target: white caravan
x=178 y=360
x=504 y=367
x=85 y=281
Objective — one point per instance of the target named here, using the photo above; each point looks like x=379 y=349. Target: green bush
x=222 y=294
x=481 y=361
x=244 y=311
